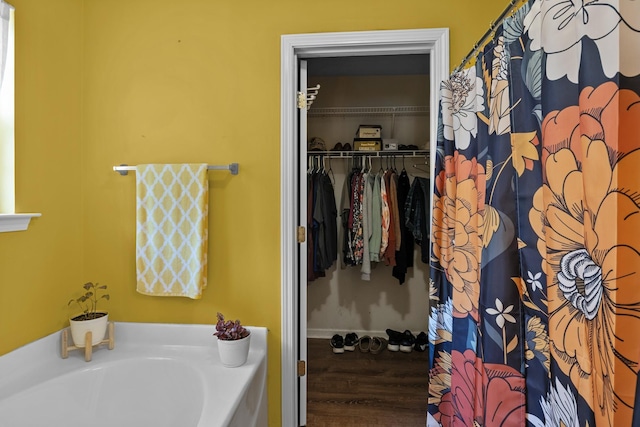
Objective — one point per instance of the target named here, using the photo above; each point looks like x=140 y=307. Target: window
x=7 y=107
x=9 y=220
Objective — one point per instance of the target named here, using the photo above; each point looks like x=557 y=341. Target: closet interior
x=392 y=93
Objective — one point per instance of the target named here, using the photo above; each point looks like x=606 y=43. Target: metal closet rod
x=232 y=167
x=492 y=27
x=350 y=154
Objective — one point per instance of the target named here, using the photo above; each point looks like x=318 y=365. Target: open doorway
x=352 y=295
x=432 y=42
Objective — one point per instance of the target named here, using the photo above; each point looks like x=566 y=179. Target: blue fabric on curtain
x=535 y=242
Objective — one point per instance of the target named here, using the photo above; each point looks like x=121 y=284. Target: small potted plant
x=233 y=342
x=90 y=319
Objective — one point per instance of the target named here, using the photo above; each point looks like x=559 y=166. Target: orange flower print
x=597 y=115
x=458 y=218
x=587 y=217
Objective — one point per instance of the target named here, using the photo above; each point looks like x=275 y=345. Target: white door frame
x=434 y=42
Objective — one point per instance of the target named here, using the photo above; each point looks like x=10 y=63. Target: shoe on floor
x=337 y=343
x=394 y=340
x=364 y=343
x=421 y=342
x=378 y=344
x=350 y=341
x=407 y=341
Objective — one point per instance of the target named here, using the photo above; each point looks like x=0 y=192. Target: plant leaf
x=537 y=112
x=512 y=344
x=532 y=72
x=523 y=148
x=521 y=244
x=489 y=170
x=491 y=224
x=514 y=27
x=520 y=284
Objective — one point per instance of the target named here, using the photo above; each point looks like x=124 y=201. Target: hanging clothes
x=311 y=273
x=346 y=218
x=389 y=256
x=322 y=246
x=325 y=216
x=365 y=270
x=417 y=208
x=384 y=239
x=382 y=217
x=376 y=218
x=357 y=231
x=404 y=255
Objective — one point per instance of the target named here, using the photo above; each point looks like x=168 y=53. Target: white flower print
x=441 y=323
x=462 y=97
x=502 y=313
x=534 y=281
x=499 y=100
x=559 y=408
x=431 y=422
x=578 y=267
x=558 y=27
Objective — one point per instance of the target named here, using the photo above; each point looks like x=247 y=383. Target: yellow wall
x=41 y=268
x=143 y=81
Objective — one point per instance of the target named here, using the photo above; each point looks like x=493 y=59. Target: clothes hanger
x=316 y=164
x=330 y=171
x=420 y=169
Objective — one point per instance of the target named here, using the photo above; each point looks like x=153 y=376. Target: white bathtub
x=158 y=375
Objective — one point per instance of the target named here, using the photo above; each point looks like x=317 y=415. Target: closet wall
x=351 y=91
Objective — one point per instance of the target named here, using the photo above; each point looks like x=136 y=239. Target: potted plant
x=233 y=342
x=90 y=319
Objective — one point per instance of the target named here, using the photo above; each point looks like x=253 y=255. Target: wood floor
x=362 y=389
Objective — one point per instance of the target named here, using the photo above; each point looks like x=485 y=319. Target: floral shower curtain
x=535 y=282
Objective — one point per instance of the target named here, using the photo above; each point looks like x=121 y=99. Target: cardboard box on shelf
x=367 y=144
x=390 y=144
x=369 y=131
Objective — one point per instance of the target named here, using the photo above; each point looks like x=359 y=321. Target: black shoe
x=407 y=341
x=337 y=342
x=395 y=338
x=350 y=341
x=421 y=342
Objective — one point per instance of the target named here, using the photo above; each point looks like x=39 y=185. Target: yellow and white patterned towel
x=172 y=229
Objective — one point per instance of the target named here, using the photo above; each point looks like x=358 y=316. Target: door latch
x=302 y=368
x=302 y=100
x=302 y=234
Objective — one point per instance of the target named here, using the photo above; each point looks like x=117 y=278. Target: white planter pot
x=234 y=353
x=79 y=328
